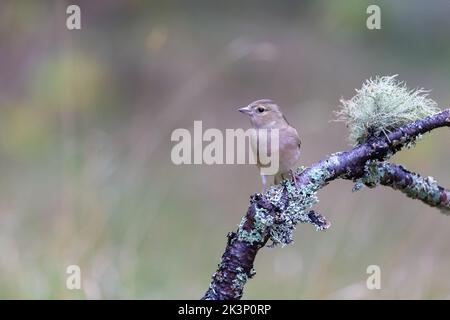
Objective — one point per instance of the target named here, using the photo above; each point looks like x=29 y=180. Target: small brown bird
x=266 y=114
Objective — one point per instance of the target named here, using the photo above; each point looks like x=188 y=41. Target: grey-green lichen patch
x=296 y=206
x=275 y=193
x=373 y=173
x=424 y=188
x=381 y=105
x=411 y=184
x=239 y=282
x=293 y=205
x=262 y=221
x=333 y=160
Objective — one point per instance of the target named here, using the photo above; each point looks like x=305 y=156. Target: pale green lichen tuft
x=382 y=105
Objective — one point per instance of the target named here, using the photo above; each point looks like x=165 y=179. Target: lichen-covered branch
x=413 y=185
x=274 y=215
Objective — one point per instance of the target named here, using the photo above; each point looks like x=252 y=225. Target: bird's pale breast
x=288 y=147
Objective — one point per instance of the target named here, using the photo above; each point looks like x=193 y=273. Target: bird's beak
x=246 y=110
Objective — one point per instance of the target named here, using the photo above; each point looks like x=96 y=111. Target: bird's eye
x=260 y=109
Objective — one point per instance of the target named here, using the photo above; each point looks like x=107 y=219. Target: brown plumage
x=266 y=114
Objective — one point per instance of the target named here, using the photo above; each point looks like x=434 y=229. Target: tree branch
x=411 y=184
x=275 y=214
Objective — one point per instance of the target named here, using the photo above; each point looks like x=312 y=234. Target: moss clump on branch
x=382 y=105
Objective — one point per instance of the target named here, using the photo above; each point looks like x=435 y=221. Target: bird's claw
x=294 y=177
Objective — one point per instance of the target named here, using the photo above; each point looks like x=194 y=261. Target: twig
x=413 y=185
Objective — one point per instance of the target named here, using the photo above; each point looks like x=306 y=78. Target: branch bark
x=273 y=215
x=413 y=185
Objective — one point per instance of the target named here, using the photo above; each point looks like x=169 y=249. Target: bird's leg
x=294 y=177
x=264 y=183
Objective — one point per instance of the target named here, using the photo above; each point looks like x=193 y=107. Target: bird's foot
x=294 y=177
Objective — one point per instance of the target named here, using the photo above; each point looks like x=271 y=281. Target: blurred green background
x=86 y=118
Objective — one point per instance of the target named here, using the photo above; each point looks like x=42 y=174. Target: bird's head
x=264 y=113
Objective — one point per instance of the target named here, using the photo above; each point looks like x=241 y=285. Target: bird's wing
x=293 y=136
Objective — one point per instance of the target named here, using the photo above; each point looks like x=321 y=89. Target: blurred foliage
x=85 y=127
